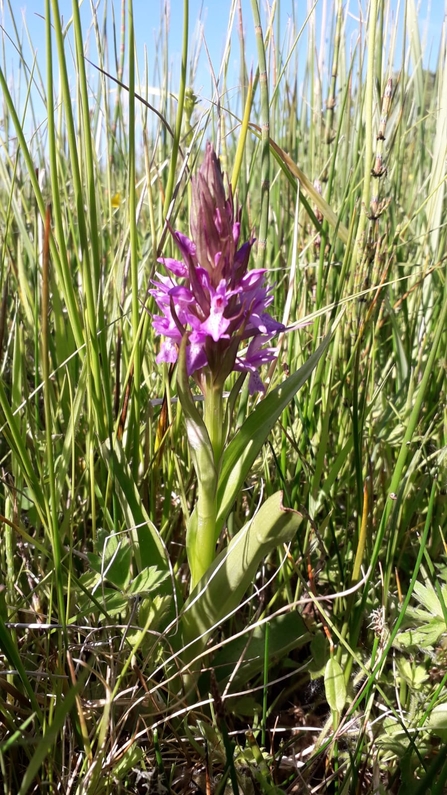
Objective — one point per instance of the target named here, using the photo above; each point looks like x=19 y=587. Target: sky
x=214 y=15
x=208 y=23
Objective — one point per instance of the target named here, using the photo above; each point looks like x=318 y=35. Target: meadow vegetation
x=317 y=662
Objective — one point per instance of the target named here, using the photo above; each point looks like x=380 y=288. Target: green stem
x=180 y=106
x=368 y=113
x=134 y=261
x=205 y=543
x=204 y=439
x=204 y=533
x=265 y=137
x=213 y=415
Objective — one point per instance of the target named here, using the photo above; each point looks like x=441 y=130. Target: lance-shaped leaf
x=243 y=657
x=334 y=685
x=245 y=446
x=198 y=437
x=200 y=542
x=221 y=589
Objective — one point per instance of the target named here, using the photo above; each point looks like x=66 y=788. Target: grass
x=330 y=677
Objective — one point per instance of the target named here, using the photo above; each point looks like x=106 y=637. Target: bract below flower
x=209 y=293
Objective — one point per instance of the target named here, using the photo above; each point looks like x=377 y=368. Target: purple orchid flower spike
x=210 y=294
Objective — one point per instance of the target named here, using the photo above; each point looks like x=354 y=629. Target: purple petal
x=181 y=295
x=216 y=325
x=253 y=278
x=203 y=278
x=167 y=328
x=195 y=357
x=255 y=383
x=164 y=284
x=265 y=323
x=168 y=353
x=186 y=246
x=241 y=258
x=176 y=266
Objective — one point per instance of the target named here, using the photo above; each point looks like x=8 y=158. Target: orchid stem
x=214 y=418
x=205 y=546
x=205 y=536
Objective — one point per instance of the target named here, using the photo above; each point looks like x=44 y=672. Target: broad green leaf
x=319 y=652
x=334 y=685
x=424 y=636
x=130 y=760
x=393 y=738
x=417 y=614
x=115 y=560
x=153 y=613
x=147 y=581
x=221 y=589
x=437 y=721
x=243 y=449
x=112 y=603
x=414 y=675
x=427 y=596
x=88 y=596
x=286 y=632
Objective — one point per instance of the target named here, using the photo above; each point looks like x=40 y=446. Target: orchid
x=214 y=321
x=210 y=295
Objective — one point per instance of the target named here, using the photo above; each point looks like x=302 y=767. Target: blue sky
x=209 y=18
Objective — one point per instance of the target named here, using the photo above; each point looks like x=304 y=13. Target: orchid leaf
x=221 y=589
x=245 y=446
x=334 y=685
x=243 y=657
x=200 y=544
x=198 y=437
